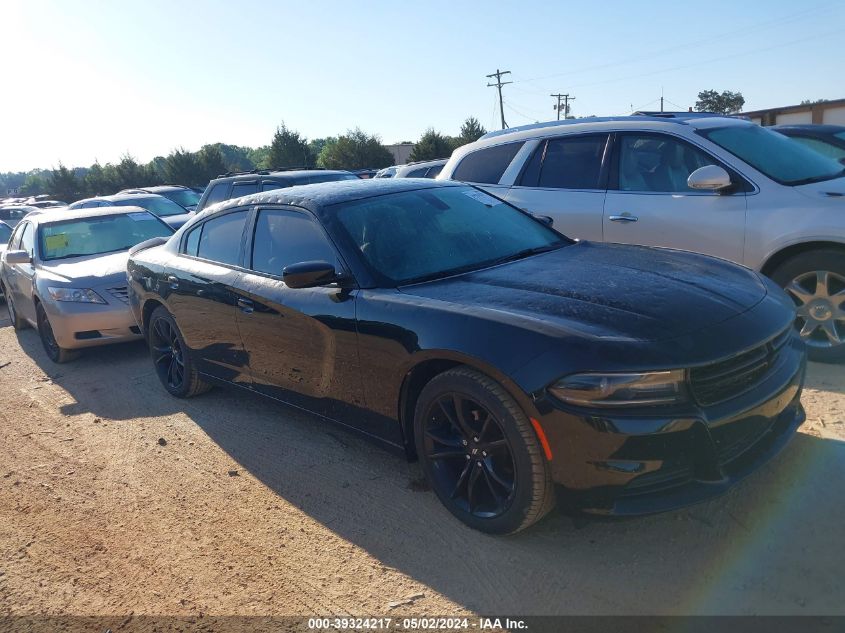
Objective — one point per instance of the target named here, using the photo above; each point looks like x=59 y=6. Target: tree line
x=287 y=149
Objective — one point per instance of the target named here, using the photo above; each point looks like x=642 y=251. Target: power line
x=499 y=83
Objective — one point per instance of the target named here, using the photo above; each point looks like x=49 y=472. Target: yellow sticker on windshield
x=54 y=242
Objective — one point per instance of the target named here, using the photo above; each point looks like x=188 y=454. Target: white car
x=716 y=185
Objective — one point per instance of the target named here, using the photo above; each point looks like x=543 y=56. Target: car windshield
x=5 y=233
x=98 y=235
x=159 y=205
x=782 y=159
x=183 y=197
x=435 y=232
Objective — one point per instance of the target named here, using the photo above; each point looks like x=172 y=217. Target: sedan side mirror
x=709 y=178
x=18 y=257
x=308 y=274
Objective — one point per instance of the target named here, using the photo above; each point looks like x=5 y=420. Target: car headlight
x=624 y=389
x=78 y=295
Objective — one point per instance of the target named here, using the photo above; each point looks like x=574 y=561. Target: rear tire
x=813 y=281
x=17 y=322
x=172 y=359
x=48 y=340
x=480 y=453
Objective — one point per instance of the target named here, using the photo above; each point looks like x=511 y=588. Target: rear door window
x=218 y=193
x=487 y=165
x=567 y=163
x=221 y=237
x=244 y=188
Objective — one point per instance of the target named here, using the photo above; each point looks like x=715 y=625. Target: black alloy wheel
x=171 y=357
x=471 y=458
x=480 y=453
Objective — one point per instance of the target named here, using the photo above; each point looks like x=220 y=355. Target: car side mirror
x=18 y=257
x=709 y=178
x=308 y=274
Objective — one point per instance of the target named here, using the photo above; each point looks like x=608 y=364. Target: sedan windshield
x=183 y=197
x=782 y=159
x=159 y=205
x=435 y=232
x=5 y=233
x=98 y=235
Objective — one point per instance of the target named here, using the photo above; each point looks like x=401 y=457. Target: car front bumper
x=622 y=464
x=78 y=325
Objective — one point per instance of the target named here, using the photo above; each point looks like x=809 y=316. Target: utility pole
x=566 y=99
x=499 y=83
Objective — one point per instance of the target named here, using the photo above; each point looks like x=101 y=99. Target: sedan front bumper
x=78 y=325
x=623 y=464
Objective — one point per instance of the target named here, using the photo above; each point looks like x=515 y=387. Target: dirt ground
x=116 y=498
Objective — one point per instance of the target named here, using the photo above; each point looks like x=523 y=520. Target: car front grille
x=727 y=379
x=121 y=293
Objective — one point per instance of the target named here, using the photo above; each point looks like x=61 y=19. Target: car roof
x=658 y=121
x=318 y=196
x=48 y=216
x=127 y=196
x=291 y=174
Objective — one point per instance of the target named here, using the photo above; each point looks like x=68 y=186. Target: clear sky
x=88 y=79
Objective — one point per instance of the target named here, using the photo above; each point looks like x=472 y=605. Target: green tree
x=315 y=146
x=471 y=131
x=288 y=149
x=34 y=184
x=355 y=150
x=211 y=164
x=432 y=145
x=181 y=167
x=726 y=102
x=127 y=174
x=95 y=181
x=63 y=185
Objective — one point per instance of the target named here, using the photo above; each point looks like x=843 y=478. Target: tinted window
x=269 y=185
x=657 y=163
x=192 y=242
x=330 y=177
x=183 y=197
x=15 y=242
x=5 y=233
x=486 y=165
x=435 y=232
x=572 y=163
x=243 y=189
x=220 y=240
x=283 y=238
x=434 y=171
x=822 y=147
x=218 y=193
x=417 y=173
x=28 y=239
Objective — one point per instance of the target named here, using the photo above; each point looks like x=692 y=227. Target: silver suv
x=715 y=185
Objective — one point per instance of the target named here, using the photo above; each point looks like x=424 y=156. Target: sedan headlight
x=78 y=295
x=623 y=390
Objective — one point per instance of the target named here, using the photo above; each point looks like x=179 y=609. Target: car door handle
x=625 y=217
x=246 y=306
x=173 y=280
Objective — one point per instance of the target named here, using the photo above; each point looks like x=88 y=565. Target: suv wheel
x=480 y=453
x=816 y=283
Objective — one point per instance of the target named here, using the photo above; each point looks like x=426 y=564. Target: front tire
x=171 y=357
x=480 y=454
x=815 y=281
x=55 y=353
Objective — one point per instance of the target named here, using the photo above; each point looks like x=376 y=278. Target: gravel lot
x=245 y=507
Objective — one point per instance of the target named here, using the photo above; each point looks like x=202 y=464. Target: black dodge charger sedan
x=515 y=363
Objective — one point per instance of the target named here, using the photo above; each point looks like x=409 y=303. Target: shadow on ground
x=767 y=547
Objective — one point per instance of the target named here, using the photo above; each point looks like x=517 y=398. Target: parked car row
x=461 y=324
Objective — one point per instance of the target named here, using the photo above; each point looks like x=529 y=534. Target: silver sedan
x=64 y=273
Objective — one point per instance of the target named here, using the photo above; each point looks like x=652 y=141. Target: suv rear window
x=486 y=165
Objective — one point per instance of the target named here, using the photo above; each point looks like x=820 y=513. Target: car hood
x=606 y=291
x=828 y=189
x=87 y=272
